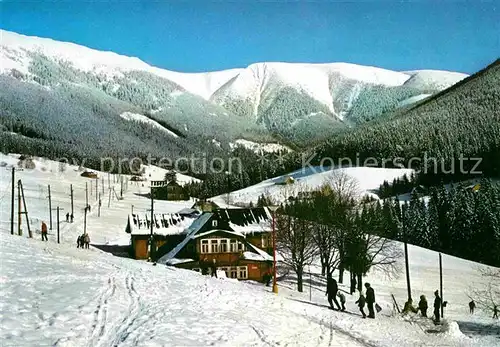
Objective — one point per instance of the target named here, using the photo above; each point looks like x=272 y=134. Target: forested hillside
x=462 y=121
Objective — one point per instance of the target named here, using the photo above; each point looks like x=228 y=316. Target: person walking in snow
x=361 y=304
x=79 y=241
x=67 y=217
x=44 y=232
x=71 y=217
x=437 y=307
x=332 y=289
x=370 y=300
x=342 y=300
x=472 y=306
x=86 y=240
x=214 y=269
x=495 y=312
x=422 y=306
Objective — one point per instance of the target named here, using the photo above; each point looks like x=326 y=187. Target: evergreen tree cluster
x=461 y=220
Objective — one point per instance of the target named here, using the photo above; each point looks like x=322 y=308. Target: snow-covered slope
x=57 y=295
x=367 y=179
x=327 y=88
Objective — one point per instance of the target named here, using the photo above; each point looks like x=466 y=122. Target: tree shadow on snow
x=482 y=329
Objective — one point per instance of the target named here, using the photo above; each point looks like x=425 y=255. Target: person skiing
x=67 y=217
x=422 y=306
x=437 y=307
x=331 y=290
x=44 y=232
x=361 y=304
x=370 y=300
x=472 y=306
x=495 y=312
x=342 y=300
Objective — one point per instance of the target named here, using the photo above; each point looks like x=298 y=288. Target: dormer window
x=214 y=223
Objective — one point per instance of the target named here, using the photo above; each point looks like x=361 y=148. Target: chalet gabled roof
x=246 y=220
x=190 y=232
x=213 y=231
x=164 y=224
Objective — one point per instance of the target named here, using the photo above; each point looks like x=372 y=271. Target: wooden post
x=72 y=209
x=407 y=265
x=151 y=224
x=85 y=221
x=26 y=210
x=109 y=180
x=12 y=203
x=58 y=239
x=86 y=194
x=99 y=206
x=96 y=187
x=91 y=190
x=19 y=210
x=441 y=283
x=50 y=209
x=102 y=185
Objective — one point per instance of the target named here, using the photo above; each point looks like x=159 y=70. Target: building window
x=213 y=246
x=240 y=247
x=204 y=246
x=242 y=272
x=214 y=223
x=264 y=241
x=233 y=272
x=233 y=246
x=223 y=246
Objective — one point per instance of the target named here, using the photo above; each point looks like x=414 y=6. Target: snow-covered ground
x=368 y=179
x=56 y=295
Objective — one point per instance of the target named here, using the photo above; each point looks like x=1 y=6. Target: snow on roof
x=246 y=221
x=215 y=231
x=175 y=261
x=191 y=230
x=165 y=224
x=258 y=255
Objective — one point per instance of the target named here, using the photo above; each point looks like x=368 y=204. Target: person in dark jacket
x=67 y=217
x=422 y=306
x=495 y=312
x=79 y=241
x=437 y=307
x=361 y=304
x=342 y=300
x=214 y=269
x=71 y=217
x=370 y=300
x=472 y=306
x=331 y=290
x=409 y=307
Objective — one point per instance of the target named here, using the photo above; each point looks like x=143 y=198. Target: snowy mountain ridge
x=293 y=101
x=313 y=78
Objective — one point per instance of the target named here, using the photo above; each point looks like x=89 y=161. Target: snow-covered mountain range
x=296 y=101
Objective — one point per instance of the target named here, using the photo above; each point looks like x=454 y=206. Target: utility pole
x=102 y=185
x=20 y=184
x=99 y=206
x=96 y=186
x=72 y=210
x=50 y=209
x=85 y=221
x=91 y=190
x=12 y=203
x=86 y=195
x=441 y=282
x=151 y=224
x=58 y=237
x=19 y=210
x=121 y=187
x=407 y=265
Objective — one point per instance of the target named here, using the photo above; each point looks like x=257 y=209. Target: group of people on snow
x=207 y=266
x=83 y=241
x=423 y=306
x=69 y=217
x=332 y=290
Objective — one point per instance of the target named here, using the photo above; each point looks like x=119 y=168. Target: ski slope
x=56 y=295
x=368 y=179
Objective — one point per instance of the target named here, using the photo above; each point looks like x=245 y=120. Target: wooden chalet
x=167 y=229
x=234 y=238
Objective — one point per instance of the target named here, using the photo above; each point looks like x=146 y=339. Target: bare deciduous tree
x=487 y=296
